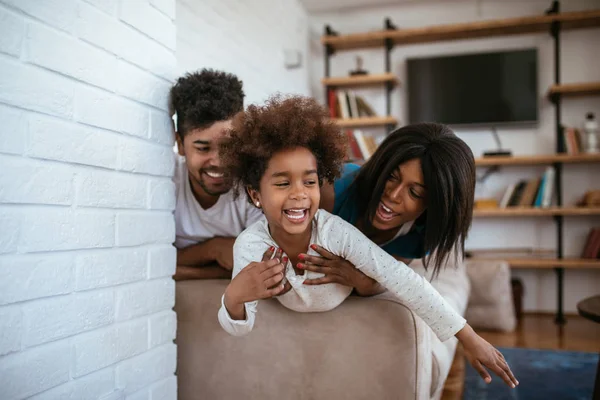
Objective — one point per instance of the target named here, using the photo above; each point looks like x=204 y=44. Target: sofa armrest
x=365 y=348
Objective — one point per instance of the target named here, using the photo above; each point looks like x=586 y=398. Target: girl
x=281 y=153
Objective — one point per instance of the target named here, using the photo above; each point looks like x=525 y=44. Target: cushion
x=490 y=304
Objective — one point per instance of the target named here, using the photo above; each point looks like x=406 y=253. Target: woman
x=413 y=197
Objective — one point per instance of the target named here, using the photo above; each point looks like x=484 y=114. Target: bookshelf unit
x=366 y=121
x=545 y=159
x=553 y=22
x=547 y=263
x=536 y=212
x=387 y=79
x=469 y=30
x=361 y=80
x=574 y=89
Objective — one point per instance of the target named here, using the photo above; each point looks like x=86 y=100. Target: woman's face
x=403 y=198
x=289 y=191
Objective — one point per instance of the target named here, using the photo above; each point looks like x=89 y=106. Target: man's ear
x=180 y=150
x=254 y=196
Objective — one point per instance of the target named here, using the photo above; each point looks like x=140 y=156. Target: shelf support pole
x=556 y=99
x=329 y=51
x=389 y=45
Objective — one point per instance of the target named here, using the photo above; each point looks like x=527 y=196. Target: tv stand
x=499 y=152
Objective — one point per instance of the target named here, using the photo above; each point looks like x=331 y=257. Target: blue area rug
x=542 y=374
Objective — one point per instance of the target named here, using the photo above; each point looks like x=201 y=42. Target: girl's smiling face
x=289 y=192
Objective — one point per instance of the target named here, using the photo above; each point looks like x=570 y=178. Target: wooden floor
x=540 y=332
x=533 y=332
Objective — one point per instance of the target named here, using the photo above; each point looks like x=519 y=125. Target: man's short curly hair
x=205 y=97
x=282 y=123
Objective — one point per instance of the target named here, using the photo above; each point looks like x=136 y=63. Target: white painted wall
x=86 y=200
x=247 y=39
x=580 y=62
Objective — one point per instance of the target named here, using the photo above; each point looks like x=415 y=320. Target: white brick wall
x=86 y=200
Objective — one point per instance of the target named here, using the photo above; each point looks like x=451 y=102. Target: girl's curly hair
x=282 y=123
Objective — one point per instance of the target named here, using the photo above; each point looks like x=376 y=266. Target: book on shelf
x=361 y=146
x=536 y=192
x=592 y=244
x=572 y=140
x=347 y=104
x=486 y=203
x=516 y=252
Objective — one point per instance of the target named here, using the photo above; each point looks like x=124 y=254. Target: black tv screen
x=481 y=89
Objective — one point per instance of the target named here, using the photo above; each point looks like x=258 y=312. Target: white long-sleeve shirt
x=346 y=241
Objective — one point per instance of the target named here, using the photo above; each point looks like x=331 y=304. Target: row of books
x=536 y=192
x=347 y=104
x=572 y=140
x=592 y=244
x=361 y=146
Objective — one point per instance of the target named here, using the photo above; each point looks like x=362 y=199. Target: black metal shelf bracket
x=389 y=86
x=555 y=98
x=329 y=50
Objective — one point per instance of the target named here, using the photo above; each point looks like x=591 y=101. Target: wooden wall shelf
x=365 y=121
x=575 y=89
x=470 y=30
x=545 y=263
x=361 y=80
x=551 y=22
x=538 y=159
x=536 y=212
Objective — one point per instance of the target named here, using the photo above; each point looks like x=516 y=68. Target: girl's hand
x=267 y=255
x=259 y=280
x=337 y=270
x=481 y=354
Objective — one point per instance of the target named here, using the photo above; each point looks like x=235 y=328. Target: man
x=207 y=217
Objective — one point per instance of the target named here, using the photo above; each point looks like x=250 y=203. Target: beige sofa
x=367 y=348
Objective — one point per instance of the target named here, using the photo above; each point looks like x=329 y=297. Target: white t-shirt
x=344 y=240
x=228 y=217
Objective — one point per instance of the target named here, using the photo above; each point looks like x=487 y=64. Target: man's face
x=200 y=148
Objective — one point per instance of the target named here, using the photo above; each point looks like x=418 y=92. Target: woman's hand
x=338 y=270
x=481 y=354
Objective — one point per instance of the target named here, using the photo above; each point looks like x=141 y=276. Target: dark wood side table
x=590 y=308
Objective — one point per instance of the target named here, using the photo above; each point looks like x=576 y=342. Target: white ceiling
x=317 y=6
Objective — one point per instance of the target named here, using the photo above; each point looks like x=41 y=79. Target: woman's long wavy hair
x=449 y=177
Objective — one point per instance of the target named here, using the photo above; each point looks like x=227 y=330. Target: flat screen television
x=489 y=89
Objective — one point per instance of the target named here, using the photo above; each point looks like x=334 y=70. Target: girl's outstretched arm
x=413 y=290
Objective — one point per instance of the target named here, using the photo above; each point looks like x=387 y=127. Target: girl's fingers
x=277 y=290
x=482 y=371
x=502 y=374
x=510 y=374
x=274 y=267
x=286 y=288
x=499 y=354
x=275 y=280
x=506 y=368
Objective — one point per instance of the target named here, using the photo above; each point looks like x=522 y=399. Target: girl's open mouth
x=296 y=215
